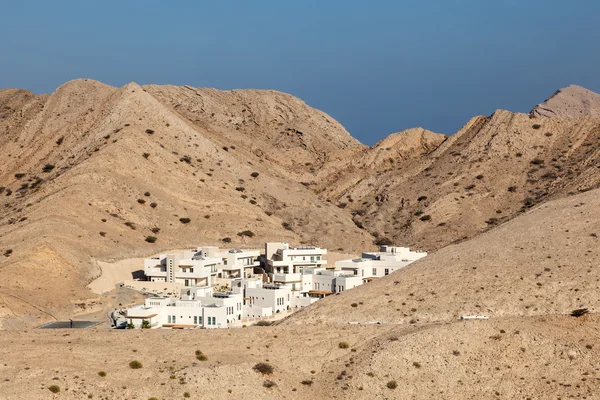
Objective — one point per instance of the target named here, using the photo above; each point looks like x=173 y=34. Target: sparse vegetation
x=226 y=240
x=135 y=364
x=307 y=382
x=425 y=218
x=536 y=126
x=200 y=356
x=264 y=368
x=149 y=131
x=102 y=374
x=54 y=388
x=392 y=385
x=246 y=233
x=60 y=140
x=263 y=323
x=354 y=305
x=269 y=384
x=146 y=324
x=185 y=220
x=344 y=345
x=153 y=205
x=146 y=155
x=254 y=174
x=48 y=167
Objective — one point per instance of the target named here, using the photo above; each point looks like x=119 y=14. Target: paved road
x=67 y=325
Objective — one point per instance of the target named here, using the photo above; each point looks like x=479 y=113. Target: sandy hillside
x=440 y=190
x=543 y=262
x=504 y=358
x=92 y=171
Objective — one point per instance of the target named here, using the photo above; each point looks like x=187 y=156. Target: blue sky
x=376 y=66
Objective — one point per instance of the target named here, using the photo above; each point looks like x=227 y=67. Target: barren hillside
x=451 y=189
x=543 y=262
x=570 y=102
x=91 y=171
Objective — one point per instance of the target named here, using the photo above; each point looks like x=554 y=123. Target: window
x=355 y=272
x=183 y=270
x=192 y=270
x=374 y=271
x=169 y=319
x=200 y=320
x=173 y=318
x=387 y=271
x=312 y=258
x=195 y=320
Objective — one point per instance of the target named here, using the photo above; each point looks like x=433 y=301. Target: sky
x=377 y=67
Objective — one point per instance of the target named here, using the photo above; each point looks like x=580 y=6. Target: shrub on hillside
x=54 y=388
x=185 y=220
x=246 y=233
x=135 y=364
x=264 y=368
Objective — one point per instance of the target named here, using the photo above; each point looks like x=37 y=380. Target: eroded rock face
x=570 y=102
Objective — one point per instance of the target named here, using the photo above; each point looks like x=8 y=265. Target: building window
x=374 y=271
x=169 y=319
x=191 y=270
x=387 y=271
x=200 y=320
x=195 y=320
x=355 y=272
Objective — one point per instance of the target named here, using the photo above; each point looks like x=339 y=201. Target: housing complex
x=220 y=288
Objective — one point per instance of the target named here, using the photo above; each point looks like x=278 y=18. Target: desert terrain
x=507 y=207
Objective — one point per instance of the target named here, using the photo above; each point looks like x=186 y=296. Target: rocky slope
x=540 y=263
x=450 y=189
x=91 y=171
x=570 y=102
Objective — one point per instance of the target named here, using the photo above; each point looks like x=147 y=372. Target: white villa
x=219 y=288
x=378 y=264
x=192 y=268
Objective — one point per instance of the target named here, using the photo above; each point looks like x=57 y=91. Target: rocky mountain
x=452 y=188
x=92 y=171
x=97 y=172
x=570 y=102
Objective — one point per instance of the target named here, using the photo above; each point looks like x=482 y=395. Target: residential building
x=378 y=264
x=198 y=307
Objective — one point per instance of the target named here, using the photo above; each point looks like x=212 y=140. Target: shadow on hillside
x=138 y=275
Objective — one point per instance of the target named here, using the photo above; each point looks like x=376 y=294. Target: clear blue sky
x=376 y=66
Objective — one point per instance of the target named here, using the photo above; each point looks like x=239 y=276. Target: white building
x=297 y=278
x=285 y=265
x=193 y=268
x=238 y=263
x=378 y=264
x=197 y=307
x=321 y=282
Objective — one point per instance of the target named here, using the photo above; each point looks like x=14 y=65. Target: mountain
x=526 y=275
x=442 y=190
x=570 y=102
x=540 y=263
x=91 y=171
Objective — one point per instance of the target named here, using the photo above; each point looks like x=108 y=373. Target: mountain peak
x=570 y=102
